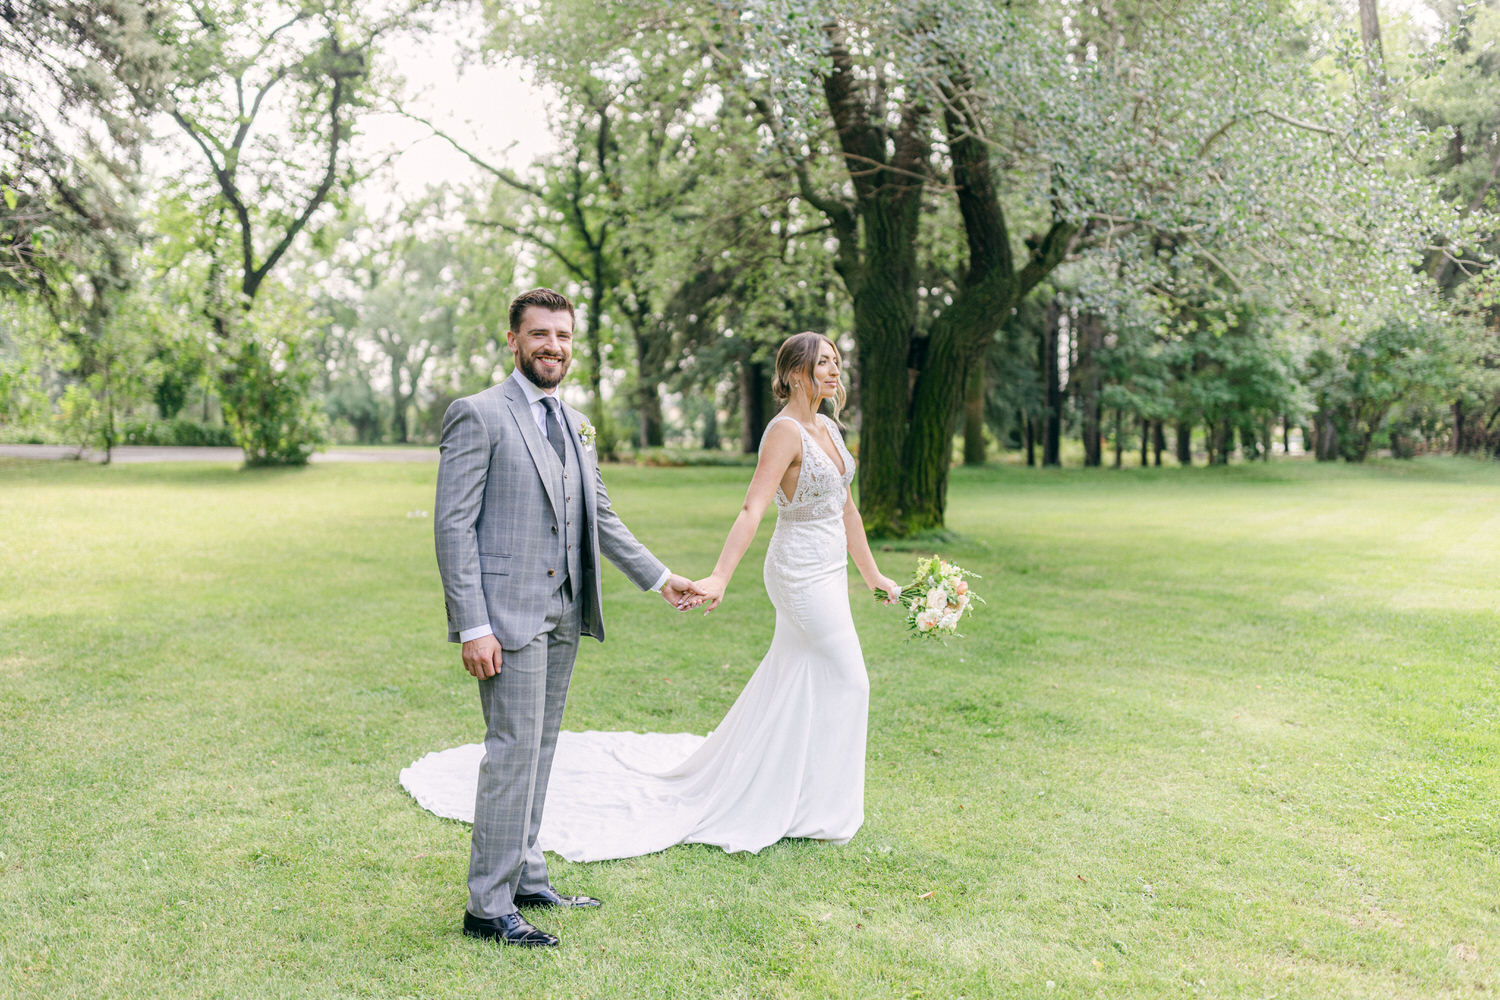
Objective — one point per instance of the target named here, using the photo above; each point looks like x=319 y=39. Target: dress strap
x=777 y=419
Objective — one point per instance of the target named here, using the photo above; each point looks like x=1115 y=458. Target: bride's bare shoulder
x=782 y=435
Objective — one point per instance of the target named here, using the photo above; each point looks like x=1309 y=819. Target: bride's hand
x=712 y=589
x=891 y=587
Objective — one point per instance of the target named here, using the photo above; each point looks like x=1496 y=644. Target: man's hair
x=544 y=298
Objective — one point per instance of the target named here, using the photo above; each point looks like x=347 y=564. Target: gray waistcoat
x=570 y=536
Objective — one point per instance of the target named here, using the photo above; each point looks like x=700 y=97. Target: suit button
x=554 y=529
x=565 y=475
x=552 y=572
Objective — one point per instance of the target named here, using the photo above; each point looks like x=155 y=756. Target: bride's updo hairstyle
x=795 y=361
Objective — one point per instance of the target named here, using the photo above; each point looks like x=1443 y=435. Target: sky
x=496 y=111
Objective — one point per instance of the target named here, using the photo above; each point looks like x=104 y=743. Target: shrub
x=178 y=432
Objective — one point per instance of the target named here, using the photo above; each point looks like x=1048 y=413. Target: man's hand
x=482 y=657
x=681 y=593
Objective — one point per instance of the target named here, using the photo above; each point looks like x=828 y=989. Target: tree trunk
x=398 y=403
x=754 y=388
x=1089 y=335
x=1028 y=439
x=1158 y=441
x=1052 y=383
x=605 y=443
x=1369 y=34
x=1184 y=443
x=1119 y=440
x=1458 y=427
x=648 y=408
x=1224 y=435
x=1249 y=443
x=109 y=417
x=1145 y=441
x=974 y=417
x=935 y=405
x=711 y=440
x=1327 y=437
x=885 y=314
x=911 y=390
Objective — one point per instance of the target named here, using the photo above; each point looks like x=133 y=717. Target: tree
x=267 y=95
x=422 y=290
x=1452 y=81
x=69 y=166
x=69 y=138
x=1396 y=364
x=646 y=209
x=1042 y=132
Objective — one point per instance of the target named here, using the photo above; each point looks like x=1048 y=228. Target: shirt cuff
x=477 y=632
x=661 y=580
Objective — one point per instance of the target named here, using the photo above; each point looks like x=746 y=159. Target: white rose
x=926 y=620
x=963 y=601
x=937 y=599
x=949 y=621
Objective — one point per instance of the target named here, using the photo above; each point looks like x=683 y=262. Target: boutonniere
x=586 y=433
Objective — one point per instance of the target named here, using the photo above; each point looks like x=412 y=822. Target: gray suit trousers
x=523 y=710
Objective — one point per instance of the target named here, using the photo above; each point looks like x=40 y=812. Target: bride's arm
x=864 y=559
x=783 y=443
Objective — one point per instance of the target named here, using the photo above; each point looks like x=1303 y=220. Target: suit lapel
x=520 y=409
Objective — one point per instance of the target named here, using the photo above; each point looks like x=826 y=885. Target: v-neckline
x=837 y=461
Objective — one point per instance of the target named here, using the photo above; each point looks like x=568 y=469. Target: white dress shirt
x=534 y=395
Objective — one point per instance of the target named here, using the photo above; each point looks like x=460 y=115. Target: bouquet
x=937 y=597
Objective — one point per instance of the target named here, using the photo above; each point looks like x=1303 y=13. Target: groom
x=521 y=519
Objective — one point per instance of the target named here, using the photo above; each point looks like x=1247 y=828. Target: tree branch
x=227 y=187
x=851 y=116
x=330 y=174
x=499 y=173
x=530 y=236
x=978 y=204
x=1049 y=252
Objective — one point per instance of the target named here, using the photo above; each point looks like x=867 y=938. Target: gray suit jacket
x=497 y=518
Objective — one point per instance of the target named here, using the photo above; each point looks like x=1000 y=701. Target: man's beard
x=528 y=366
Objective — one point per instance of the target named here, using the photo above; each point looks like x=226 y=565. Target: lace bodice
x=821 y=488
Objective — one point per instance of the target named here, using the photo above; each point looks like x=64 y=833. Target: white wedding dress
x=787 y=761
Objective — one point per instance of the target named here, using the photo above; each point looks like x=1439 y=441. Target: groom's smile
x=543 y=346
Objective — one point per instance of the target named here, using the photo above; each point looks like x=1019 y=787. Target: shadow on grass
x=1433 y=468
x=66 y=472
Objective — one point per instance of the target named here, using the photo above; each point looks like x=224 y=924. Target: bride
x=788 y=760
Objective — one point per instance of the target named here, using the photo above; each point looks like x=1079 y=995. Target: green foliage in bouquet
x=937 y=597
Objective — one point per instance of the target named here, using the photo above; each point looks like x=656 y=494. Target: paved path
x=149 y=453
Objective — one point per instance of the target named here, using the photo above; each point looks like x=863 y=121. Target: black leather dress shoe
x=510 y=929
x=551 y=897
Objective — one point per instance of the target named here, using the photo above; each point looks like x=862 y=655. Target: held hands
x=712 y=588
x=681 y=593
x=482 y=657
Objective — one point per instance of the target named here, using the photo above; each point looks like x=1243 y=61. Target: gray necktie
x=554 y=429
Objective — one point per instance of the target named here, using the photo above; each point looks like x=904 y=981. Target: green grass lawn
x=1218 y=733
